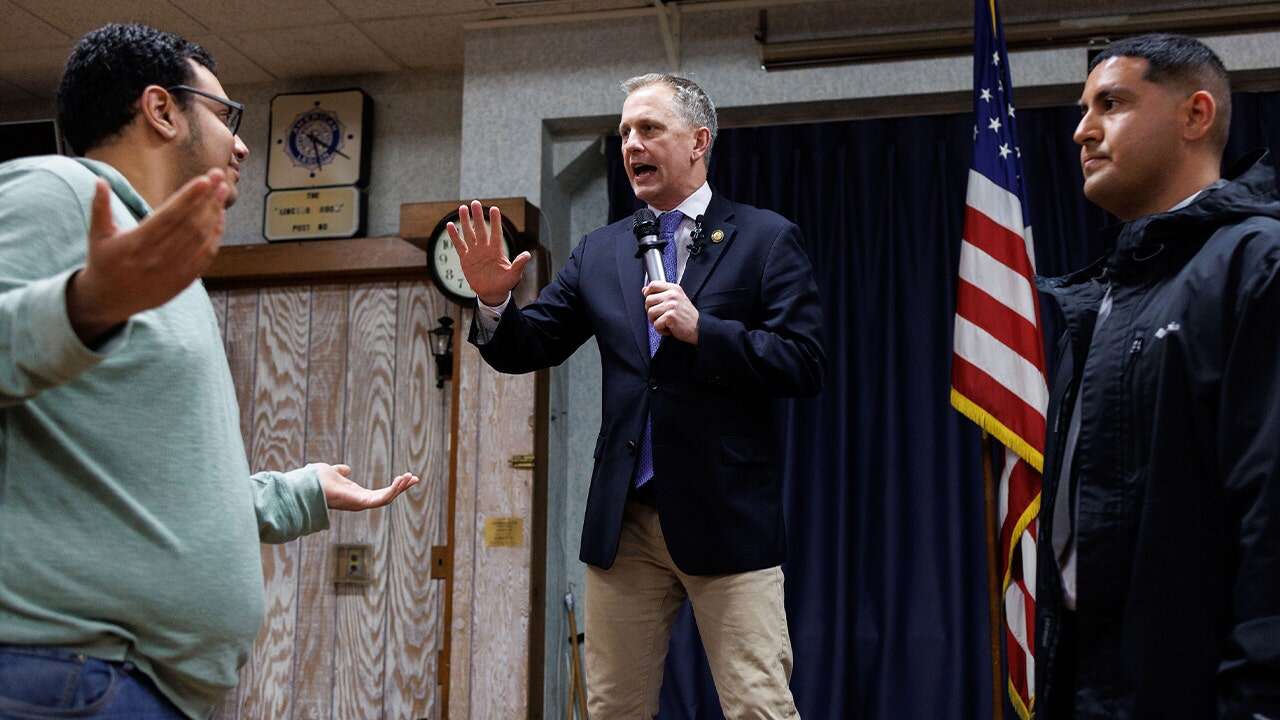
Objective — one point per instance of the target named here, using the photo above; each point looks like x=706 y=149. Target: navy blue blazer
x=716 y=420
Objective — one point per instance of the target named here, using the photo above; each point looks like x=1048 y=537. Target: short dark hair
x=107 y=72
x=1179 y=60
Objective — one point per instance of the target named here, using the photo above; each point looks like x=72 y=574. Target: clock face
x=317 y=139
x=446 y=266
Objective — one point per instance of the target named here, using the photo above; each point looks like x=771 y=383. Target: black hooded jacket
x=1177 y=465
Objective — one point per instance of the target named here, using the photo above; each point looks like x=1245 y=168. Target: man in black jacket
x=686 y=493
x=1159 y=585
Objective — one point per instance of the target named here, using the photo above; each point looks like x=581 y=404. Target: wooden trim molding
x=419 y=220
x=368 y=258
x=316 y=261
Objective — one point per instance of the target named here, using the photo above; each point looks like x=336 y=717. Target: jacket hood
x=1144 y=246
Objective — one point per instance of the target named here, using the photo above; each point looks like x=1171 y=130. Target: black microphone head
x=644 y=224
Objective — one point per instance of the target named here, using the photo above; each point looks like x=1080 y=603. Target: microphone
x=645 y=226
x=698 y=239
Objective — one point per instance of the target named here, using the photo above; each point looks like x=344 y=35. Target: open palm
x=484 y=262
x=343 y=493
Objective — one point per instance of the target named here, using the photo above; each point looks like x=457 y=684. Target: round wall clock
x=446 y=266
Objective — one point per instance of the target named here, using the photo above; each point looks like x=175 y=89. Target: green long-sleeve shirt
x=129 y=523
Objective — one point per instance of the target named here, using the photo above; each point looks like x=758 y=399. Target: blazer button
x=653 y=386
x=631 y=446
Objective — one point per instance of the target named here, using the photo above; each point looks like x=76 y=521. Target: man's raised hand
x=145 y=267
x=484 y=262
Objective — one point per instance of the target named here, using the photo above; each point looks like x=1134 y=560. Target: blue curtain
x=886 y=576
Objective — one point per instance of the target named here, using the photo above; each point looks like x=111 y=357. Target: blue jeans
x=38 y=683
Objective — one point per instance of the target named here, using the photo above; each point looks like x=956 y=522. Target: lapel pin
x=717 y=236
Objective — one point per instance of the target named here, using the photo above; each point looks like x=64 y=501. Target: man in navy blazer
x=686 y=494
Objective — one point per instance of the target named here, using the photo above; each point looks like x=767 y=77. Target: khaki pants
x=630 y=609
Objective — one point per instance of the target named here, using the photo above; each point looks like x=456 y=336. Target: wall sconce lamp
x=442 y=350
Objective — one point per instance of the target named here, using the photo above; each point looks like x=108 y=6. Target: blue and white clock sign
x=319 y=140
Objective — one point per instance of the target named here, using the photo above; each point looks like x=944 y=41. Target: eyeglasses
x=234 y=109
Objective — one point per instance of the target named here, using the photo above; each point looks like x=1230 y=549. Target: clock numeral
x=447 y=262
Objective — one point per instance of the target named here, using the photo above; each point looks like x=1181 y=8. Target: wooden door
x=344 y=373
x=494 y=659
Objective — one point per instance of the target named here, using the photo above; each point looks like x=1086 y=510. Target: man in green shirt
x=130 y=573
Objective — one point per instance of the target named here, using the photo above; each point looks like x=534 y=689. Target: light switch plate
x=351 y=564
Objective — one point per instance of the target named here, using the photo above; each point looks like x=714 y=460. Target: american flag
x=997 y=367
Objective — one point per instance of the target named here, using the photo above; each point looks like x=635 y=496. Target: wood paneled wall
x=341 y=371
x=344 y=373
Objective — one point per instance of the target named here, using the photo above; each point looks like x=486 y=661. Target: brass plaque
x=528 y=461
x=312 y=214
x=503 y=532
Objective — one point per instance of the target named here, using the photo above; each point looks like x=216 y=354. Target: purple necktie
x=668 y=223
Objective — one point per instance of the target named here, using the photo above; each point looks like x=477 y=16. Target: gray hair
x=691 y=102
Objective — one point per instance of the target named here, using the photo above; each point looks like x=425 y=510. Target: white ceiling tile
x=561 y=7
x=558 y=7
x=545 y=7
x=244 y=15
x=77 y=17
x=420 y=42
x=437 y=41
x=597 y=5
x=366 y=9
x=35 y=71
x=566 y=7
x=314 y=51
x=10 y=93
x=233 y=67
x=21 y=30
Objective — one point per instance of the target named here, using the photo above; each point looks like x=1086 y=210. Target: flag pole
x=993 y=581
